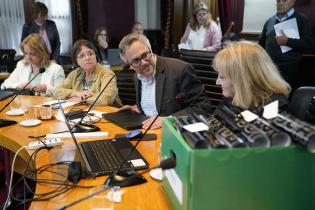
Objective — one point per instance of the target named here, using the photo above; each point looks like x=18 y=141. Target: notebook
x=103 y=157
x=5 y=94
x=126 y=119
x=113 y=57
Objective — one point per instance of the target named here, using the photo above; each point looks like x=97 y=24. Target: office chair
x=126 y=87
x=7 y=59
x=300 y=101
x=202 y=62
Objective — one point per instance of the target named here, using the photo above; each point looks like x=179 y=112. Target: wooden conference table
x=146 y=196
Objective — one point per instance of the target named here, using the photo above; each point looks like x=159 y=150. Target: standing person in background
x=137 y=28
x=46 y=28
x=202 y=33
x=287 y=62
x=101 y=43
x=36 y=56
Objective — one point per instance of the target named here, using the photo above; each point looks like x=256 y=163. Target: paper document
x=93 y=116
x=63 y=103
x=290 y=29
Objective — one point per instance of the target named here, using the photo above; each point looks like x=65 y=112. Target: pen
x=54 y=104
x=86 y=97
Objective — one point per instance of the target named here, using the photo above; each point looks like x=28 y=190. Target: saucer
x=15 y=112
x=30 y=123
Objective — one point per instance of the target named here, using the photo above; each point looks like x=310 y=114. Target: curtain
x=231 y=11
x=11 y=23
x=239 y=16
x=60 y=12
x=225 y=14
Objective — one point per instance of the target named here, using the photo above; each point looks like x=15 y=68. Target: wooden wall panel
x=117 y=16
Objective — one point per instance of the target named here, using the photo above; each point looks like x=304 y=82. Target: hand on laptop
x=129 y=107
x=157 y=124
x=22 y=85
x=40 y=88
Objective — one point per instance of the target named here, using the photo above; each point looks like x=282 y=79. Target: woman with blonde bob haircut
x=247 y=75
x=36 y=56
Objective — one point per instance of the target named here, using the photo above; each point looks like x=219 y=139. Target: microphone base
x=84 y=128
x=131 y=178
x=4 y=122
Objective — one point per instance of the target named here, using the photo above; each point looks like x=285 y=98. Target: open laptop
x=126 y=119
x=5 y=94
x=104 y=157
x=113 y=57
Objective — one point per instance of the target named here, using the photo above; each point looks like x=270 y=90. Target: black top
x=52 y=33
x=283 y=104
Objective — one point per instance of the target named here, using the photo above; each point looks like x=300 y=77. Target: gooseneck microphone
x=111 y=180
x=165 y=164
x=81 y=127
x=4 y=122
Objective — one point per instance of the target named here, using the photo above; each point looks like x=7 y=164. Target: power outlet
x=49 y=142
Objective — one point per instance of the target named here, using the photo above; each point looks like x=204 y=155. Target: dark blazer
x=52 y=33
x=267 y=39
x=174 y=76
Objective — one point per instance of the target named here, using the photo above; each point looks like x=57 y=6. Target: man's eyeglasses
x=137 y=61
x=83 y=55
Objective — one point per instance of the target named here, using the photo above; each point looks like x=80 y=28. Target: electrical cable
x=6 y=204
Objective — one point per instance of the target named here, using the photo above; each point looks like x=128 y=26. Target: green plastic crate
x=276 y=178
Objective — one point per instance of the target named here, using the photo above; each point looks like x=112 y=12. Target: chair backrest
x=7 y=59
x=300 y=101
x=126 y=87
x=202 y=63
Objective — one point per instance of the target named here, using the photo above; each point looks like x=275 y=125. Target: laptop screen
x=73 y=137
x=114 y=57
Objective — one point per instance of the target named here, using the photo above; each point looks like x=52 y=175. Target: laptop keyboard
x=103 y=157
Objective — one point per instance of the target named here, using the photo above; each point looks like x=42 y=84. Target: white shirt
x=52 y=77
x=196 y=39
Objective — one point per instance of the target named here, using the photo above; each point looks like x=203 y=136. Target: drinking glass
x=101 y=201
x=45 y=112
x=31 y=113
x=16 y=104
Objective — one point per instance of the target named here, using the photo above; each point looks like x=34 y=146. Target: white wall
x=148 y=13
x=256 y=12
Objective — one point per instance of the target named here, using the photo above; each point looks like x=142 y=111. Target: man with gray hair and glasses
x=159 y=80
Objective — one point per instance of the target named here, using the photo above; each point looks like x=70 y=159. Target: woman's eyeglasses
x=87 y=54
x=137 y=61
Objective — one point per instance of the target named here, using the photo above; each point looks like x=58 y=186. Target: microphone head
x=168 y=163
x=41 y=70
